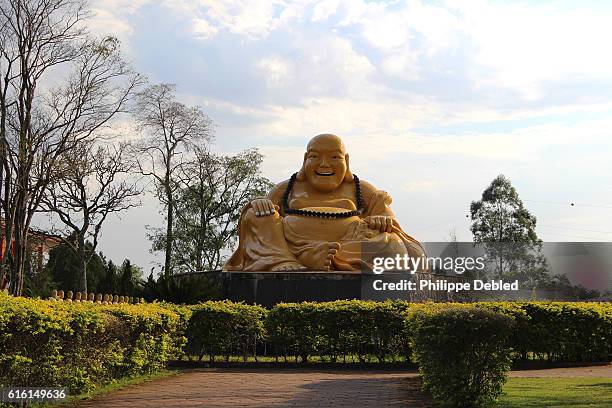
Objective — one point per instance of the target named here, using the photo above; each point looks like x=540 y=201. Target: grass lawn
x=557 y=392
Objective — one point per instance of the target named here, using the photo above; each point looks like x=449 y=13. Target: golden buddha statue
x=324 y=218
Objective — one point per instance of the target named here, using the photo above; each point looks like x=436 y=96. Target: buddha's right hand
x=263 y=207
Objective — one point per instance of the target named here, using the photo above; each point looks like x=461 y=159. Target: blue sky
x=433 y=99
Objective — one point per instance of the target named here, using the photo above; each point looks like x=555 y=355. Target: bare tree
x=93 y=184
x=45 y=113
x=172 y=130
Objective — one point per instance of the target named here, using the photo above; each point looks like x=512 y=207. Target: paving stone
x=259 y=388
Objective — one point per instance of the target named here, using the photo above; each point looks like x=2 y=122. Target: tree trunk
x=169 y=235
x=201 y=232
x=20 y=229
x=7 y=262
x=18 y=264
x=82 y=264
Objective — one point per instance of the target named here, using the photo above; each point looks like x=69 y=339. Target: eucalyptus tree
x=507 y=230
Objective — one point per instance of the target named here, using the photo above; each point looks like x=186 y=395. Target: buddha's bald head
x=326 y=139
x=325 y=163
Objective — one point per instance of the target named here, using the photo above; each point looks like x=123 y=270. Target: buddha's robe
x=268 y=242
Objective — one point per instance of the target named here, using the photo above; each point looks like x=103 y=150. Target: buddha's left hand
x=380 y=223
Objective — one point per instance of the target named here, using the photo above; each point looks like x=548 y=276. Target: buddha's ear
x=301 y=176
x=348 y=176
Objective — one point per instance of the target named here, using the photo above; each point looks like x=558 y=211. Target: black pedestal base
x=269 y=288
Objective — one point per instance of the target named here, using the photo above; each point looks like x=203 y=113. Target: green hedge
x=463 y=353
x=551 y=331
x=561 y=331
x=337 y=329
x=83 y=345
x=224 y=328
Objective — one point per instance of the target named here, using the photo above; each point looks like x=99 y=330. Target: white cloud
x=517 y=47
x=385 y=30
x=439 y=27
x=253 y=18
x=526 y=46
x=278 y=71
x=331 y=63
x=402 y=65
x=111 y=17
x=336 y=115
x=323 y=9
x=373 y=73
x=202 y=29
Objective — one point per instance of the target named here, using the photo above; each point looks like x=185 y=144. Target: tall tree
x=63 y=266
x=130 y=279
x=501 y=222
x=211 y=190
x=59 y=87
x=92 y=184
x=172 y=131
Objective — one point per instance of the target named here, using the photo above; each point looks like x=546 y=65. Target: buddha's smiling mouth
x=324 y=173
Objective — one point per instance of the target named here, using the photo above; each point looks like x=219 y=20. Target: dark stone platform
x=270 y=288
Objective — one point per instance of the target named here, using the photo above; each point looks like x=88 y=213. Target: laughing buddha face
x=325 y=163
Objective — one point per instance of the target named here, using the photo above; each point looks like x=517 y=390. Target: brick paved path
x=294 y=388
x=271 y=388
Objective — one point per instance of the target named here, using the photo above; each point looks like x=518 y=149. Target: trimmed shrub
x=340 y=328
x=559 y=331
x=149 y=336
x=462 y=352
x=566 y=331
x=224 y=328
x=553 y=331
x=378 y=329
x=290 y=328
x=520 y=337
x=83 y=345
x=332 y=330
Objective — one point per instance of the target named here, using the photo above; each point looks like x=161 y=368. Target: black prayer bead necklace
x=322 y=214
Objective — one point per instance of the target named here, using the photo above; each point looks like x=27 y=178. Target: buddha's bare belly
x=320 y=229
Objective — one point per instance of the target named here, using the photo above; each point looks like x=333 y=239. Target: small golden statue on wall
x=324 y=218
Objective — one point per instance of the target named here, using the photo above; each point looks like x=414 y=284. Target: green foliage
x=462 y=349
x=130 y=278
x=184 y=290
x=507 y=229
x=125 y=280
x=561 y=284
x=83 y=345
x=225 y=328
x=39 y=283
x=567 y=331
x=340 y=328
x=209 y=194
x=462 y=352
x=103 y=276
x=63 y=265
x=555 y=331
x=500 y=215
